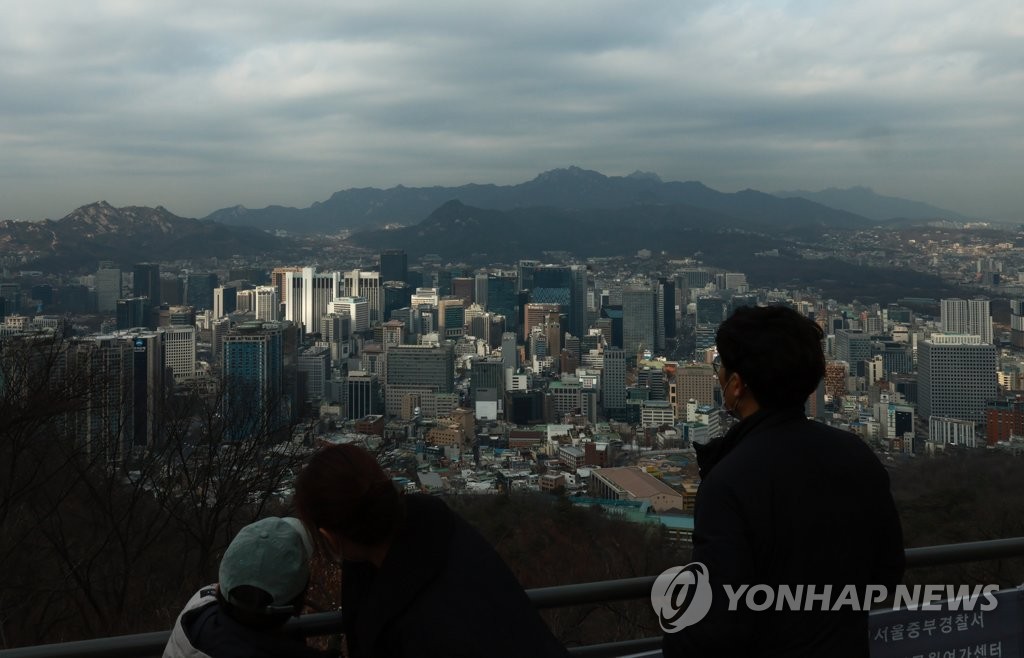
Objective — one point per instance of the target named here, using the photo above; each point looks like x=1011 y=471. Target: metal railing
x=325 y=623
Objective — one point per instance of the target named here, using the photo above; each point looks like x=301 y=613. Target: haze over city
x=197 y=107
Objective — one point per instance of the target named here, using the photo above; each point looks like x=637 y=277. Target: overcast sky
x=198 y=105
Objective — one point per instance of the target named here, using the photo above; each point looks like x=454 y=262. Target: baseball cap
x=271 y=554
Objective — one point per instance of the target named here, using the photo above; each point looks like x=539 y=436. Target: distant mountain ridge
x=571 y=188
x=99 y=231
x=866 y=202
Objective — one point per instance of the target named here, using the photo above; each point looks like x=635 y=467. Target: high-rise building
x=956 y=377
x=267 y=306
x=967 y=316
x=487 y=387
x=638 y=321
x=278 y=279
x=422 y=369
x=356 y=308
x=464 y=288
x=108 y=287
x=392 y=334
x=365 y=284
x=710 y=314
x=314 y=370
x=854 y=347
x=396 y=295
x=451 y=317
x=308 y=295
x=257 y=398
x=146 y=282
x=362 y=395
x=695 y=382
x=394 y=265
x=199 y=287
x=134 y=312
x=613 y=383
x=225 y=300
x=179 y=345
x=336 y=331
x=1017 y=323
x=502 y=299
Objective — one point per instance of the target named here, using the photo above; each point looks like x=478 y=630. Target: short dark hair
x=776 y=351
x=344 y=490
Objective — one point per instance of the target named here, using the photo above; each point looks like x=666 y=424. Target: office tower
x=171 y=289
x=308 y=295
x=613 y=383
x=104 y=424
x=563 y=285
x=509 y=357
x=314 y=371
x=667 y=301
x=956 y=377
x=257 y=397
x=218 y=329
x=199 y=288
x=537 y=315
x=854 y=347
x=362 y=395
x=967 y=316
x=638 y=319
x=451 y=317
x=336 y=331
x=396 y=294
x=897 y=358
x=734 y=281
x=278 y=279
x=134 y=312
x=654 y=380
x=225 y=300
x=487 y=387
x=355 y=308
x=694 y=278
x=463 y=288
x=245 y=300
x=394 y=266
x=610 y=324
x=695 y=382
x=393 y=334
x=108 y=287
x=179 y=345
x=502 y=298
x=710 y=314
x=361 y=283
x=480 y=288
x=146 y=282
x=1017 y=323
x=267 y=307
x=419 y=369
x=739 y=301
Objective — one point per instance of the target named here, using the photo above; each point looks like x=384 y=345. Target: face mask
x=731 y=411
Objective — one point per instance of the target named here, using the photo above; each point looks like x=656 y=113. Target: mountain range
x=866 y=202
x=99 y=231
x=571 y=188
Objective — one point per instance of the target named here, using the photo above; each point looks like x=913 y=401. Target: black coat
x=785 y=500
x=442 y=590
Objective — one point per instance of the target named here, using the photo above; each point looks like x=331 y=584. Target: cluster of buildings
x=551 y=376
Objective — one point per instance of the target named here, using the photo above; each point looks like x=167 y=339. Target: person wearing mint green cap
x=263 y=578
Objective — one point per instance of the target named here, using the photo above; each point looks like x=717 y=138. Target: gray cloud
x=198 y=105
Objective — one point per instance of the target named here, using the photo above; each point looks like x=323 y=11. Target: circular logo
x=681 y=596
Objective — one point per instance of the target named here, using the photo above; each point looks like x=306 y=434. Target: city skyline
x=198 y=107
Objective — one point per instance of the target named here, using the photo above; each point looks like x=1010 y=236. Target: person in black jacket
x=785 y=501
x=417 y=580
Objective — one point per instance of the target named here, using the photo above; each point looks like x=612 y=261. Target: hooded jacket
x=788 y=501
x=205 y=630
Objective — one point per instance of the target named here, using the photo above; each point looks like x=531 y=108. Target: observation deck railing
x=325 y=623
